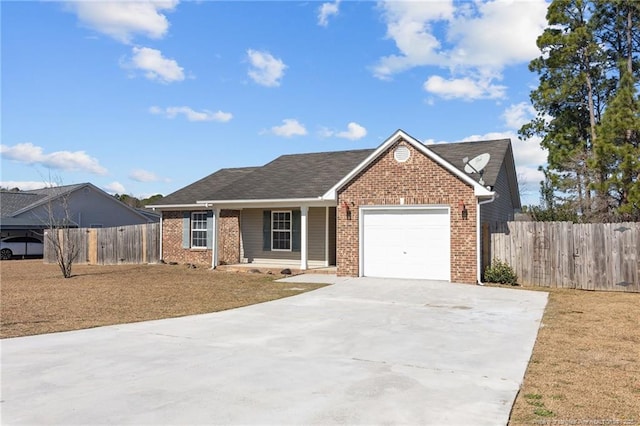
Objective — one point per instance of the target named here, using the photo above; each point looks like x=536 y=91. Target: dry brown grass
x=35 y=299
x=585 y=367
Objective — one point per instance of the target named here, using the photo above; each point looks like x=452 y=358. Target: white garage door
x=406 y=243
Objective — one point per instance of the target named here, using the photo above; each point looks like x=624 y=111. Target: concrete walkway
x=362 y=351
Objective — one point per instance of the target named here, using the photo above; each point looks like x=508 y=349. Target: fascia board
x=282 y=202
x=172 y=206
x=481 y=191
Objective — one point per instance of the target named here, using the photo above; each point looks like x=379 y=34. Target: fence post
x=93 y=246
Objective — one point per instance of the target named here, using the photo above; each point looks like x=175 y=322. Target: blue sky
x=146 y=97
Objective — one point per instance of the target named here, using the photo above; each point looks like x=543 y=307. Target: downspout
x=479 y=240
x=214 y=243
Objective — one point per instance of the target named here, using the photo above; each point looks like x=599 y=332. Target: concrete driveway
x=362 y=351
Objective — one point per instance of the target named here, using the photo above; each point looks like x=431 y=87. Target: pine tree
x=588 y=107
x=618 y=150
x=568 y=100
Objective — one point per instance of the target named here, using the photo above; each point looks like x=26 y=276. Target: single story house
x=83 y=205
x=404 y=210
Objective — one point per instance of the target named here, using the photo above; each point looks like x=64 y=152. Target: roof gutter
x=269 y=203
x=266 y=200
x=173 y=206
x=479 y=238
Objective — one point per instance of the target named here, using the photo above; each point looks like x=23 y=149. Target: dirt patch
x=585 y=367
x=36 y=299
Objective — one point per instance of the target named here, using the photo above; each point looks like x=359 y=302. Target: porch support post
x=326 y=236
x=304 y=237
x=214 y=245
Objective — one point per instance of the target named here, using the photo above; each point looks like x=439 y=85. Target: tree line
x=588 y=110
x=135 y=202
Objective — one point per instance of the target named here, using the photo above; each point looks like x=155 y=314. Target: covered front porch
x=277 y=236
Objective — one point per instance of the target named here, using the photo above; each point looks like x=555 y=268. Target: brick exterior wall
x=419 y=181
x=229 y=237
x=228 y=240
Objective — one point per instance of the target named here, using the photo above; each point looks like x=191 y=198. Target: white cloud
x=115 y=188
x=155 y=66
x=265 y=69
x=497 y=33
x=433 y=142
x=464 y=88
x=192 y=115
x=122 y=20
x=25 y=185
x=29 y=153
x=141 y=175
x=354 y=132
x=517 y=115
x=326 y=10
x=468 y=38
x=289 y=128
x=409 y=26
x=530 y=178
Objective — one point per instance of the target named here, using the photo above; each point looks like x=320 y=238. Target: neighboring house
x=402 y=210
x=83 y=205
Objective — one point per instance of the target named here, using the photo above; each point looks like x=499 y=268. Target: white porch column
x=326 y=236
x=304 y=231
x=214 y=243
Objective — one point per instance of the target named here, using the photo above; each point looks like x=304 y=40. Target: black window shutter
x=209 y=229
x=186 y=229
x=295 y=230
x=266 y=230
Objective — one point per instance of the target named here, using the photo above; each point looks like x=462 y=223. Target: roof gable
x=479 y=190
x=318 y=176
x=15 y=202
x=21 y=202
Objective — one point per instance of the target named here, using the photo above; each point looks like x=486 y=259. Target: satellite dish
x=476 y=164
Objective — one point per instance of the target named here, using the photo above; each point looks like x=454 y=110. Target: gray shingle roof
x=205 y=188
x=56 y=190
x=311 y=175
x=455 y=152
x=12 y=202
x=294 y=176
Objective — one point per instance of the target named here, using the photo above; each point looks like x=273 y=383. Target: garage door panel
x=406 y=243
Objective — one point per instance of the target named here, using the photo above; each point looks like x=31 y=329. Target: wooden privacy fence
x=594 y=256
x=110 y=246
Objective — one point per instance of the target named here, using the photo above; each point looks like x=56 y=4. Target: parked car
x=20 y=246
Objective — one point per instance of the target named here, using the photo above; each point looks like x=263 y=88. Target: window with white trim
x=199 y=230
x=281 y=230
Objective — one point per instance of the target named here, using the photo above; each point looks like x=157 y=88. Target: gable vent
x=401 y=154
